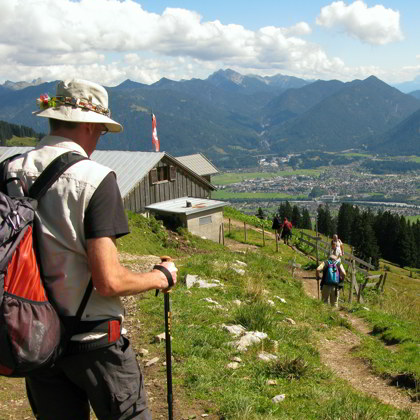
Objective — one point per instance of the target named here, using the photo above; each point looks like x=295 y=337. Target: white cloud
x=373 y=25
x=109 y=41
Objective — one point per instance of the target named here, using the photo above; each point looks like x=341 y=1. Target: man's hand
x=170 y=266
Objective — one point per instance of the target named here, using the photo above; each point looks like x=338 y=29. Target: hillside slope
x=401 y=139
x=347 y=119
x=212 y=378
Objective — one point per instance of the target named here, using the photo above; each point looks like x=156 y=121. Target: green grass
x=367 y=155
x=202 y=348
x=22 y=141
x=232 y=213
x=230 y=195
x=413 y=219
x=231 y=178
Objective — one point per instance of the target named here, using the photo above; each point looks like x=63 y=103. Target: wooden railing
x=355 y=264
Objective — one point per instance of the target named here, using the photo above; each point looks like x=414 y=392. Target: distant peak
x=21 y=85
x=227 y=74
x=129 y=84
x=372 y=77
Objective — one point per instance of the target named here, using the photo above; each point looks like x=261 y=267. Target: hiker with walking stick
x=80 y=218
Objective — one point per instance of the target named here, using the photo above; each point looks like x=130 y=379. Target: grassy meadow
x=233 y=177
x=269 y=298
x=21 y=141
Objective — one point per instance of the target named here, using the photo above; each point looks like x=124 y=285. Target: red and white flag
x=155 y=138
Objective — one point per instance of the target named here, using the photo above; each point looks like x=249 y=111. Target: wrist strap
x=167 y=273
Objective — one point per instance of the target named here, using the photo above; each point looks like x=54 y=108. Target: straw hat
x=78 y=101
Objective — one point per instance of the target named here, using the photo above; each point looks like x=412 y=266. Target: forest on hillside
x=7 y=131
x=372 y=235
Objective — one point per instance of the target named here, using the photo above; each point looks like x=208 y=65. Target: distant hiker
x=277 y=225
x=336 y=246
x=286 y=230
x=81 y=216
x=332 y=274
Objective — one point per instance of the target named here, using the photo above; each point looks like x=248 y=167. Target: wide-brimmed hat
x=78 y=101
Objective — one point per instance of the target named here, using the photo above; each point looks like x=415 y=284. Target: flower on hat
x=45 y=102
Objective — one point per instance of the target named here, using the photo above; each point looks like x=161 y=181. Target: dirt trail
x=337 y=353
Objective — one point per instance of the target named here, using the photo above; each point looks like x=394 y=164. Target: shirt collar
x=63 y=142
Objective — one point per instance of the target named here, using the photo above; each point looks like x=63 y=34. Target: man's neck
x=78 y=135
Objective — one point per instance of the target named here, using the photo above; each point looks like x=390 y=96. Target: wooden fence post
x=353 y=279
x=263 y=234
x=383 y=282
x=245 y=231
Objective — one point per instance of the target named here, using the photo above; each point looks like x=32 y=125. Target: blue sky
x=109 y=41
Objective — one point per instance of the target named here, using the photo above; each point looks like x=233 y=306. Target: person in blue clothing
x=332 y=274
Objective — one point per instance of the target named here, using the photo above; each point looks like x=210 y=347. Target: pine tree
x=325 y=222
x=364 y=239
x=416 y=234
x=296 y=216
x=260 y=213
x=320 y=218
x=306 y=222
x=405 y=245
x=285 y=210
x=387 y=230
x=344 y=222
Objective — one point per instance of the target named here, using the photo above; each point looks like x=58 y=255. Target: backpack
x=287 y=228
x=32 y=335
x=276 y=223
x=331 y=274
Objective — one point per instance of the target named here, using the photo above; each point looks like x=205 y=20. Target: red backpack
x=32 y=336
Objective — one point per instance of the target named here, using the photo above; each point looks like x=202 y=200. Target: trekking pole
x=168 y=326
x=317 y=282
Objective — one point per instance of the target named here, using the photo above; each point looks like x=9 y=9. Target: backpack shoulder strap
x=3 y=173
x=45 y=180
x=325 y=269
x=52 y=172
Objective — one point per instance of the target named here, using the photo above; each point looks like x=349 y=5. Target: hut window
x=206 y=220
x=162 y=174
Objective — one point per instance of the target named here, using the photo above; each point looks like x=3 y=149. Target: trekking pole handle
x=167 y=272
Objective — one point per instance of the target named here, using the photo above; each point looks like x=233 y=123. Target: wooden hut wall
x=145 y=193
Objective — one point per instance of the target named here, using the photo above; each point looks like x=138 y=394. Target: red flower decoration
x=45 y=98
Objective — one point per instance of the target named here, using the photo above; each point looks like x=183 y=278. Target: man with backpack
x=276 y=226
x=81 y=215
x=286 y=230
x=332 y=274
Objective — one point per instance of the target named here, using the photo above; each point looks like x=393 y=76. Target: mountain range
x=233 y=119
